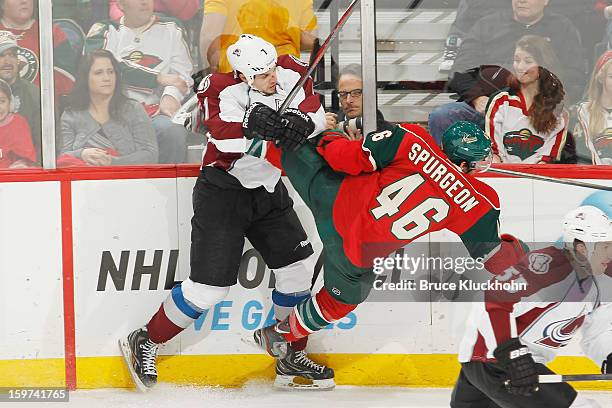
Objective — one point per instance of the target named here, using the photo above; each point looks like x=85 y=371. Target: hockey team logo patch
x=523 y=143
x=603 y=144
x=558 y=334
x=539 y=263
x=146 y=60
x=28 y=64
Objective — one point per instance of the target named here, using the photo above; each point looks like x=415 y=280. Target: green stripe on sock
x=310 y=317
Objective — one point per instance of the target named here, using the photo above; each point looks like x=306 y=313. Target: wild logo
x=603 y=144
x=522 y=143
x=149 y=61
x=28 y=64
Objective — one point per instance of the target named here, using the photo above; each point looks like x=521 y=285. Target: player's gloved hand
x=606 y=367
x=517 y=361
x=263 y=122
x=297 y=126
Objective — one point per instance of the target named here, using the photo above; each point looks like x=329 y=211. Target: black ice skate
x=139 y=353
x=271 y=339
x=297 y=371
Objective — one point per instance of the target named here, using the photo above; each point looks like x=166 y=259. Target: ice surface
x=263 y=395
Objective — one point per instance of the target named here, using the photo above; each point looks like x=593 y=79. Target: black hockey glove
x=263 y=122
x=517 y=361
x=297 y=126
x=606 y=367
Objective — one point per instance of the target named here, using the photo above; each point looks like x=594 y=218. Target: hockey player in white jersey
x=240 y=194
x=510 y=336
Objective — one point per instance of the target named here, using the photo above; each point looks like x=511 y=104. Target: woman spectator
x=593 y=132
x=526 y=121
x=16 y=148
x=101 y=127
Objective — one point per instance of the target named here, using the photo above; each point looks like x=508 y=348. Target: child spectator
x=102 y=127
x=16 y=148
x=593 y=132
x=527 y=123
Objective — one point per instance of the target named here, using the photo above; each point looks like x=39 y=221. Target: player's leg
x=489 y=379
x=466 y=395
x=277 y=234
x=217 y=240
x=345 y=285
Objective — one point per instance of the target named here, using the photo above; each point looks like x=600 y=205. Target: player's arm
x=223 y=113
x=597 y=337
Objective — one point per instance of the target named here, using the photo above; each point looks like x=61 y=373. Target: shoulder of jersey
x=213 y=84
x=290 y=62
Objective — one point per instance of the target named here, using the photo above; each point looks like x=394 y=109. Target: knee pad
x=203 y=296
x=295 y=277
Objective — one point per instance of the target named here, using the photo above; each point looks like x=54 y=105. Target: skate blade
x=127 y=358
x=290 y=382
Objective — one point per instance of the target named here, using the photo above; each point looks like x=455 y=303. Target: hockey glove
x=297 y=127
x=606 y=367
x=263 y=122
x=517 y=361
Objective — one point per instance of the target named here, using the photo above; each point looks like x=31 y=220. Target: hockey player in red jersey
x=239 y=194
x=372 y=197
x=510 y=336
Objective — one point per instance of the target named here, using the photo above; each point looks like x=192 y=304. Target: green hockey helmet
x=466 y=142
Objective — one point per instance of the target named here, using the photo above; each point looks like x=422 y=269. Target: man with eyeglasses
x=350 y=90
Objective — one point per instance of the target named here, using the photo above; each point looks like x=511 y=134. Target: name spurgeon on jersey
x=440 y=174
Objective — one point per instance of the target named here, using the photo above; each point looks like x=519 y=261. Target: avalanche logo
x=603 y=144
x=523 y=143
x=558 y=334
x=138 y=57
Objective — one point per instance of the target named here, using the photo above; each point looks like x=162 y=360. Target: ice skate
x=271 y=339
x=298 y=371
x=139 y=353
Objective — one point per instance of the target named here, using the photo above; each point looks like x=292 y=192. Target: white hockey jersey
x=598 y=146
x=224 y=100
x=513 y=137
x=545 y=316
x=159 y=47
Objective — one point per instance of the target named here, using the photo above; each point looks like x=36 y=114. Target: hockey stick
x=550 y=179
x=318 y=56
x=555 y=379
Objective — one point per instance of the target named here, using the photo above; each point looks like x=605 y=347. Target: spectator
x=350 y=87
x=585 y=14
x=182 y=9
x=593 y=132
x=479 y=68
x=156 y=67
x=102 y=127
x=290 y=26
x=527 y=123
x=17 y=16
x=16 y=148
x=26 y=96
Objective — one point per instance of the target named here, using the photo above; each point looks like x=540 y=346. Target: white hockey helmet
x=251 y=56
x=587 y=224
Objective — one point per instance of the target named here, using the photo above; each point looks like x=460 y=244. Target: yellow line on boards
x=405 y=370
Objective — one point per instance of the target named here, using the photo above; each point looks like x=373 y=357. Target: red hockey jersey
x=409 y=189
